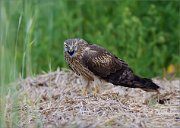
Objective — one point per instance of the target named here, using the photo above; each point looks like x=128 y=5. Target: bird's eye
x=65 y=45
x=66 y=48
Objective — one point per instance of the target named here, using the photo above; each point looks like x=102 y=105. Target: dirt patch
x=54 y=100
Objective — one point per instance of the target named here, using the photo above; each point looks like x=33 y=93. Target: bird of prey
x=96 y=65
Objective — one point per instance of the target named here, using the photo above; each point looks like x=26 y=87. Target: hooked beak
x=71 y=52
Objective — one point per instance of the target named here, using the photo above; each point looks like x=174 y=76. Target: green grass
x=143 y=33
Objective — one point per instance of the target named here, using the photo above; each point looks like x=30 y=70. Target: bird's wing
x=102 y=63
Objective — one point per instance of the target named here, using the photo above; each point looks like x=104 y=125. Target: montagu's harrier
x=96 y=65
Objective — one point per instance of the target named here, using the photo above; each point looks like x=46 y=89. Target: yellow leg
x=84 y=90
x=96 y=90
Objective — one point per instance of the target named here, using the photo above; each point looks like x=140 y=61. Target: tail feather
x=145 y=84
x=128 y=79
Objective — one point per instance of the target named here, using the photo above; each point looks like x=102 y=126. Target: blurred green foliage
x=143 y=33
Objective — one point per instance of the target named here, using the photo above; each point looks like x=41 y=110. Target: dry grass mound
x=54 y=100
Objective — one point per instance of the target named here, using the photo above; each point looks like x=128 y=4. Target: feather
x=111 y=69
x=101 y=62
x=92 y=61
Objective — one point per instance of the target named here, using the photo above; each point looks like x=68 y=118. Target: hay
x=54 y=100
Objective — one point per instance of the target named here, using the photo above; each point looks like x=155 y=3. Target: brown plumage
x=95 y=64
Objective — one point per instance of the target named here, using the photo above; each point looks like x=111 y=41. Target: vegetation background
x=144 y=33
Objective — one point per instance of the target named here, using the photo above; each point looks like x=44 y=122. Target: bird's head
x=71 y=46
